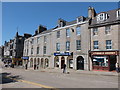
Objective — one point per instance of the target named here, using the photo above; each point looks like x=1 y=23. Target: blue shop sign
x=62 y=54
x=25 y=57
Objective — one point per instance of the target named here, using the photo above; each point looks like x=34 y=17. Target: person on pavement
x=117 y=68
x=64 y=68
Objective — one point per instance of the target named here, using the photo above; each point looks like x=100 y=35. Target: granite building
x=67 y=43
x=87 y=43
x=105 y=40
x=13 y=49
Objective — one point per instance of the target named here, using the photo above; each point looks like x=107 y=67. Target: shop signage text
x=105 y=53
x=62 y=54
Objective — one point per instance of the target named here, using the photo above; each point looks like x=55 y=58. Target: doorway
x=112 y=60
x=62 y=62
x=80 y=63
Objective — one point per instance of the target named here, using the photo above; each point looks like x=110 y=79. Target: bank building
x=86 y=43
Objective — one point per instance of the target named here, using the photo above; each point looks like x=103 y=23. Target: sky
x=25 y=17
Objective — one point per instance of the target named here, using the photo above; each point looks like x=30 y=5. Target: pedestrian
x=12 y=65
x=26 y=66
x=37 y=66
x=117 y=68
x=34 y=66
x=64 y=68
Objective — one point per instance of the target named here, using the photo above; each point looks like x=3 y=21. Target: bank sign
x=62 y=54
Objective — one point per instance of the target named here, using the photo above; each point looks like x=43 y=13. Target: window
x=32 y=41
x=67 y=45
x=27 y=51
x=118 y=13
x=44 y=49
x=108 y=44
x=102 y=17
x=78 y=30
x=95 y=45
x=100 y=61
x=45 y=38
x=61 y=24
x=58 y=34
x=107 y=30
x=78 y=44
x=57 y=46
x=38 y=39
x=68 y=32
x=79 y=19
x=32 y=50
x=37 y=50
x=95 y=31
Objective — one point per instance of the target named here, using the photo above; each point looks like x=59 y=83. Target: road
x=38 y=79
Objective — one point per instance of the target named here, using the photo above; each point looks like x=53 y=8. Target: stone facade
x=52 y=40
x=51 y=48
x=13 y=49
x=105 y=32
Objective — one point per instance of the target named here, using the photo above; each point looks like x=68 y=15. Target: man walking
x=26 y=66
x=64 y=68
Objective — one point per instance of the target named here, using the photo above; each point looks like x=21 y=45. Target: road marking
x=33 y=83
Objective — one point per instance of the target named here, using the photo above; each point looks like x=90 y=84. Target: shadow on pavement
x=8 y=78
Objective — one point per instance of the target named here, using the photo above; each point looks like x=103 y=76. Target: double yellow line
x=33 y=83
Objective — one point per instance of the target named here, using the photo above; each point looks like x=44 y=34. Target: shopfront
x=104 y=60
x=61 y=58
x=25 y=60
x=17 y=61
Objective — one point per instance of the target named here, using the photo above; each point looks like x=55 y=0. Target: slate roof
x=111 y=19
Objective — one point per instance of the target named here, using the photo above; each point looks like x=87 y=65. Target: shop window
x=95 y=31
x=108 y=44
x=107 y=30
x=95 y=45
x=100 y=61
x=71 y=63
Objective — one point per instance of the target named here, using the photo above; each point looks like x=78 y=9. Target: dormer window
x=102 y=17
x=118 y=13
x=80 y=19
x=61 y=24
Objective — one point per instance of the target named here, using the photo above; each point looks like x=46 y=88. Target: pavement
x=72 y=71
x=47 y=78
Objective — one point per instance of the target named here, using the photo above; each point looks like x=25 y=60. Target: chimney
x=91 y=12
x=41 y=28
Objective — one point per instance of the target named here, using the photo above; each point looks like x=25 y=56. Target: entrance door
x=80 y=63
x=62 y=62
x=112 y=60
